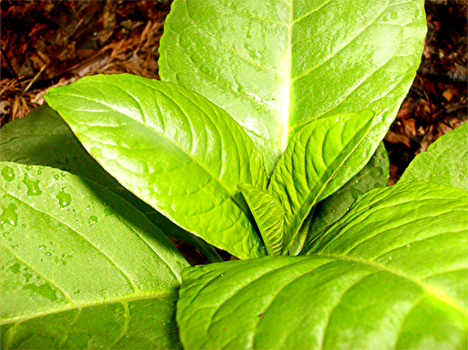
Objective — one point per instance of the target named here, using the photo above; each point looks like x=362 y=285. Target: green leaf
x=445 y=161
x=275 y=66
x=375 y=174
x=172 y=148
x=269 y=217
x=318 y=161
x=43 y=138
x=391 y=274
x=81 y=268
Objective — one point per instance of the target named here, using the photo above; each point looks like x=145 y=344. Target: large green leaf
x=275 y=66
x=172 y=148
x=445 y=161
x=43 y=138
x=375 y=174
x=391 y=274
x=318 y=161
x=80 y=267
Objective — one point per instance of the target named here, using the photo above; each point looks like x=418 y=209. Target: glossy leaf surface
x=172 y=148
x=445 y=161
x=43 y=138
x=375 y=174
x=269 y=217
x=318 y=161
x=81 y=268
x=398 y=283
x=275 y=66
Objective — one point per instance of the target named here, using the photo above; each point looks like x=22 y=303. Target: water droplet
x=390 y=257
x=42 y=246
x=56 y=177
x=63 y=174
x=39 y=172
x=9 y=215
x=24 y=226
x=15 y=268
x=15 y=246
x=29 y=167
x=32 y=186
x=44 y=290
x=27 y=276
x=88 y=207
x=48 y=253
x=93 y=218
x=63 y=198
x=105 y=203
x=8 y=173
x=95 y=152
x=5 y=234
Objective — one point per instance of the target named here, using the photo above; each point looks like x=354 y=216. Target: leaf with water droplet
x=77 y=272
x=8 y=173
x=64 y=198
x=32 y=186
x=9 y=215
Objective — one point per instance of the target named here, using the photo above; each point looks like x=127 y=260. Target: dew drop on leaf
x=93 y=218
x=8 y=173
x=9 y=215
x=44 y=290
x=32 y=186
x=15 y=268
x=63 y=198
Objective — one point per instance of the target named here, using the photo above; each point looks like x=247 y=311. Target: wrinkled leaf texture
x=76 y=271
x=43 y=138
x=269 y=217
x=391 y=274
x=276 y=66
x=172 y=148
x=319 y=160
x=375 y=174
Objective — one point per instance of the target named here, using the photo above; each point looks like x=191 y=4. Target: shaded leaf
x=81 y=268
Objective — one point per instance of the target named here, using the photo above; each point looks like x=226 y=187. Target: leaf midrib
x=79 y=306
